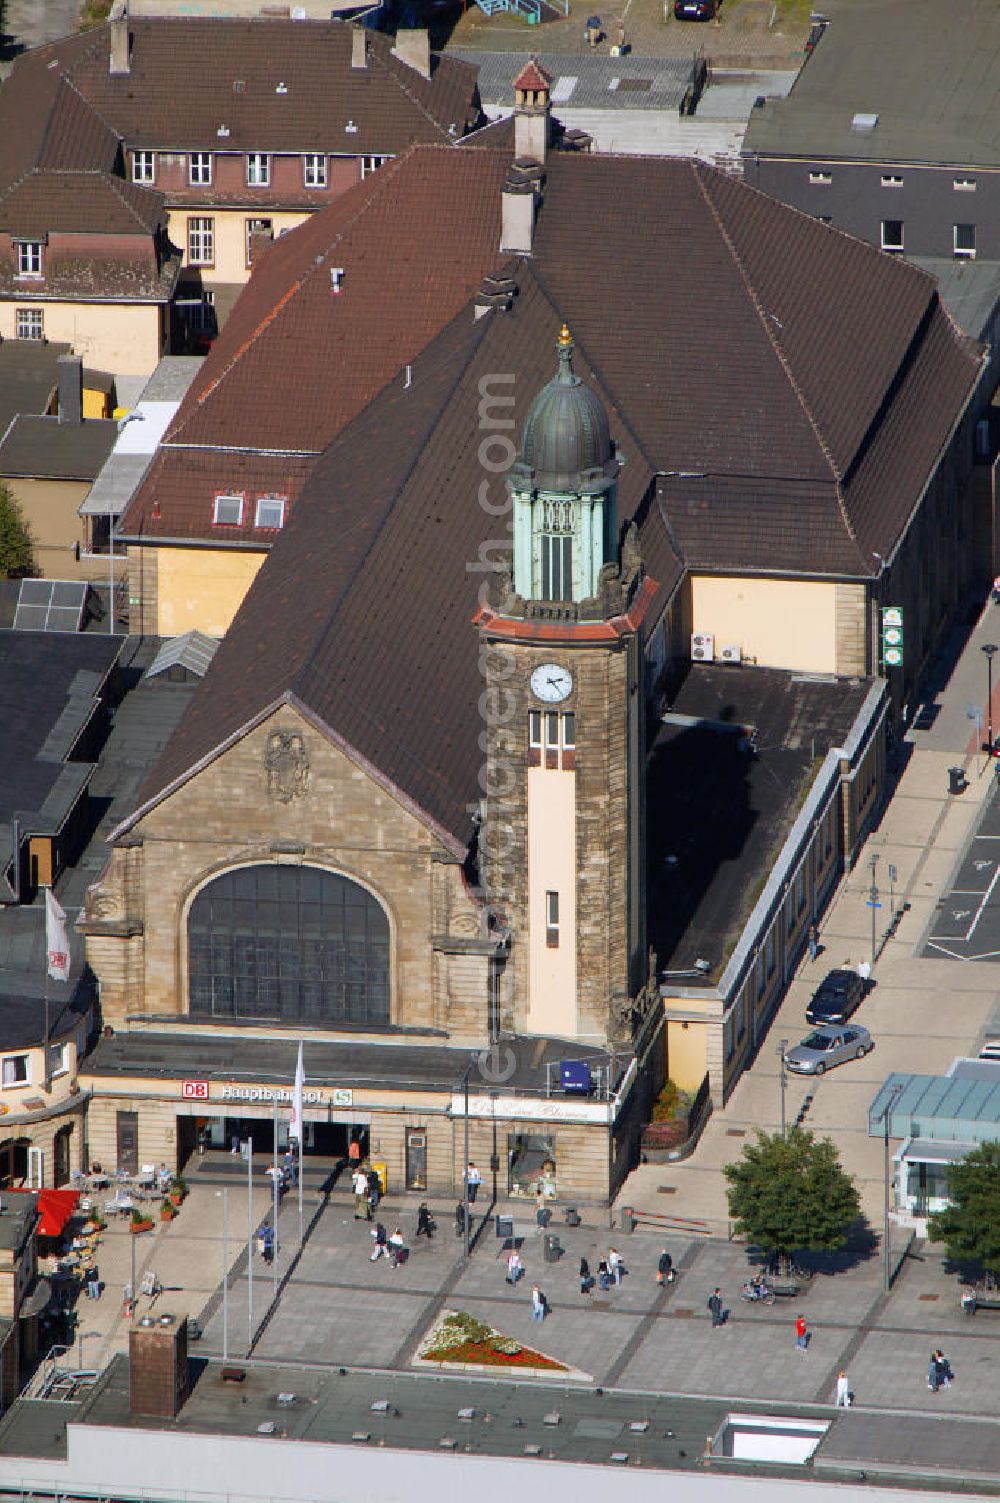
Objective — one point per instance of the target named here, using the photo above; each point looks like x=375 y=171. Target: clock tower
x=561 y=843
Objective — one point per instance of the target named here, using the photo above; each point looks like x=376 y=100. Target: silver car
x=828 y=1046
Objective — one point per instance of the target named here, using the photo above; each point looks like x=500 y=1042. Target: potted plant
x=167 y=1210
x=178 y=1190
x=140 y=1222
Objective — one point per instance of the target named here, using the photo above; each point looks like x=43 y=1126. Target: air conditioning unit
x=702 y=647
x=732 y=652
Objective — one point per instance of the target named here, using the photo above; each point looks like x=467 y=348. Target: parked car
x=695 y=10
x=826 y=1047
x=836 y=998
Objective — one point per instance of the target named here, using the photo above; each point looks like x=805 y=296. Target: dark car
x=695 y=10
x=836 y=998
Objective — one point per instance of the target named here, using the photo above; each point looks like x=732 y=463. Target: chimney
x=413 y=47
x=119 y=37
x=521 y=192
x=158 y=1366
x=359 y=47
x=70 y=381
x=532 y=100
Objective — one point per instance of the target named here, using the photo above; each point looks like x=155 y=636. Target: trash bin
x=553 y=1250
x=505 y=1227
x=956 y=780
x=572 y=1216
x=628 y=1219
x=383 y=1176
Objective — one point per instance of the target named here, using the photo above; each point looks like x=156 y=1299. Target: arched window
x=291 y=943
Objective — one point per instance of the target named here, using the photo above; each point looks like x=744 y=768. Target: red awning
x=55 y=1207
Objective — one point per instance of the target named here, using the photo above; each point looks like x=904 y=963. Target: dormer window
x=228 y=511
x=314 y=170
x=143 y=167
x=371 y=164
x=29 y=258
x=270 y=512
x=200 y=169
x=258 y=169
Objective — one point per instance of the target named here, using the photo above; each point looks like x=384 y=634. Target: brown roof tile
x=80 y=203
x=180 y=486
x=76 y=138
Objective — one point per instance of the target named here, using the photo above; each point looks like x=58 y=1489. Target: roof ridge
x=118 y=186
x=71 y=83
x=766 y=323
x=401 y=84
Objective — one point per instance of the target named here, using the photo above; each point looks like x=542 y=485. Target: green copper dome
x=566 y=445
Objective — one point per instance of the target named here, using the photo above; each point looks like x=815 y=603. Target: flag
x=56 y=939
x=295 y=1128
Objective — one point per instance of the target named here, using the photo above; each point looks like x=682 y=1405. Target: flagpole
x=274 y=1217
x=249 y=1243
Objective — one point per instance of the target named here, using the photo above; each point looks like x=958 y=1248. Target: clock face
x=551 y=683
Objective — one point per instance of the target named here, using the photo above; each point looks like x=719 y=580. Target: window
x=314 y=170
x=30 y=323
x=557 y=567
x=964 y=185
x=891 y=180
x=143 y=167
x=56 y=1061
x=270 y=512
x=569 y=731
x=552 y=920
x=200 y=169
x=965 y=241
x=371 y=164
x=29 y=258
x=256 y=227
x=824 y=178
x=535 y=728
x=258 y=169
x=200 y=313
x=293 y=943
x=825 y=218
x=892 y=234
x=551 y=732
x=15 y=1069
x=201 y=242
x=228 y=511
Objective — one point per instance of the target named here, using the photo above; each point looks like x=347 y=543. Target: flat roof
x=28 y=377
x=931 y=75
x=727 y=772
x=970 y=290
x=962 y=1106
x=139 y=434
x=43 y=448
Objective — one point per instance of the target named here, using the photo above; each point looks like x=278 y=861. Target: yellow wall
x=201 y=588
x=123 y=338
x=230 y=239
x=551 y=868
x=782 y=623
x=49 y=507
x=687 y=1054
x=96 y=404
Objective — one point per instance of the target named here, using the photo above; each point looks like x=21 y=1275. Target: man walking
x=801 y=1334
x=843 y=1391
x=615 y=1265
x=537 y=1303
x=473 y=1179
x=715 y=1305
x=933 y=1374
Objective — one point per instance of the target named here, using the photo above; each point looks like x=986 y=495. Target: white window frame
x=201 y=232
x=372 y=163
x=535 y=729
x=264 y=501
x=56 y=1061
x=200 y=316
x=314 y=170
x=888 y=245
x=218 y=520
x=569 y=730
x=7 y=1084
x=29 y=324
x=144 y=167
x=249 y=231
x=966 y=253
x=964 y=184
x=258 y=166
x=200 y=169
x=29 y=259
x=891 y=180
x=821 y=179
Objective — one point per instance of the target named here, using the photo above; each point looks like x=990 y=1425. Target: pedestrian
x=665 y=1268
x=514 y=1267
x=603 y=1275
x=542 y=1213
x=362 y=1206
x=164 y=1179
x=379 y=1239
x=354 y=1153
x=473 y=1179
x=843 y=1391
x=864 y=971
x=945 y=1373
x=801 y=1334
x=615 y=1265
x=933 y=1374
x=460 y=1215
x=291 y=1167
x=234 y=1145
x=374 y=1189
x=93 y=1283
x=425 y=1223
x=539 y=1304
x=715 y=1305
x=586 y=1278
x=396 y=1248
x=813 y=942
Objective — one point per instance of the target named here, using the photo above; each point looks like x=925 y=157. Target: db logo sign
x=194 y=1090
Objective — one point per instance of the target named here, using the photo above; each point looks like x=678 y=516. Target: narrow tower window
x=552 y=920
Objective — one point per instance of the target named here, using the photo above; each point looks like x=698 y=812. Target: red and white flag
x=56 y=939
x=295 y=1126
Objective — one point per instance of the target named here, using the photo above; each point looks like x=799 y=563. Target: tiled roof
x=533 y=76
x=178 y=492
x=80 y=203
x=28 y=99
x=277 y=85
x=70 y=275
x=76 y=138
x=383 y=610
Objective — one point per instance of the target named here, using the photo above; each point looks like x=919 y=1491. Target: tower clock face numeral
x=550 y=682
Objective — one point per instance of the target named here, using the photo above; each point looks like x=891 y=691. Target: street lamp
x=891 y=1100
x=225 y=1272
x=989 y=648
x=782 y=1046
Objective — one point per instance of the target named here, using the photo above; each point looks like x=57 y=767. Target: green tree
x=16 y=551
x=970 y=1226
x=790 y=1193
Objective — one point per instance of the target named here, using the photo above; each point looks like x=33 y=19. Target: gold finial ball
x=564 y=335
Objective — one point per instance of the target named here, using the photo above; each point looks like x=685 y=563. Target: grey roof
x=192 y=652
x=28 y=377
x=45 y=448
x=962 y=1106
x=565 y=442
x=171 y=378
x=134 y=447
x=586 y=81
x=930 y=73
x=970 y=290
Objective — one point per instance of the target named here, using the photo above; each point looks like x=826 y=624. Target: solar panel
x=50 y=605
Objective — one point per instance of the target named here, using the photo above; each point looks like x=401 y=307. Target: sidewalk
x=921 y=1012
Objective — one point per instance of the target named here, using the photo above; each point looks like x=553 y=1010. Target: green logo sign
x=892 y=636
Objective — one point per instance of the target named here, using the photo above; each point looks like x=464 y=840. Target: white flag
x=295 y=1127
x=56 y=939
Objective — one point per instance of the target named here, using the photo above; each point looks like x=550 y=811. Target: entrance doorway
x=416 y=1158
x=60 y=1155
x=13 y=1163
x=323 y=1139
x=127 y=1130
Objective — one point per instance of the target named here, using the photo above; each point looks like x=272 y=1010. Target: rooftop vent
x=864 y=123
x=281 y=88
x=223 y=130
x=336 y=279
x=351 y=128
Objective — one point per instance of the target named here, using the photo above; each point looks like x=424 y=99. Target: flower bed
x=458 y=1337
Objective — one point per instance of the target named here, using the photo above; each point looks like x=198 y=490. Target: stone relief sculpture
x=286 y=766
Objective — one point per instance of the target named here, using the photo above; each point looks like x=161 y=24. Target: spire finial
x=564 y=346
